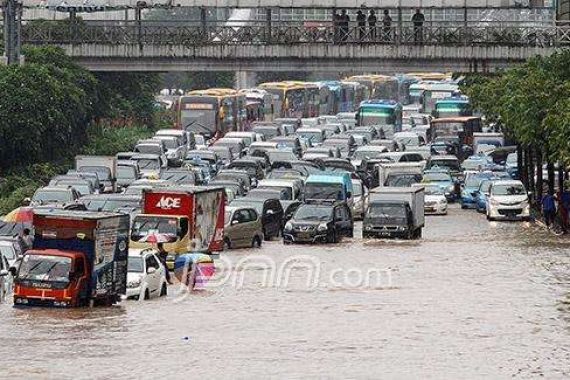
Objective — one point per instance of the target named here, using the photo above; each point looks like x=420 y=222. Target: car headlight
x=493 y=202
x=134 y=284
x=288 y=226
x=322 y=227
x=368 y=228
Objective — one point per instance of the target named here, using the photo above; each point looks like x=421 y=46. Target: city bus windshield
x=376 y=116
x=146 y=225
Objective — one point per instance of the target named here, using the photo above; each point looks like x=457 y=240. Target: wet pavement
x=471 y=299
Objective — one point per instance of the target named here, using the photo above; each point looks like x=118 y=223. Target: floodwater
x=472 y=299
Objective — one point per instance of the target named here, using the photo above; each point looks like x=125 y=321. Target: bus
x=457 y=130
x=380 y=86
x=381 y=113
x=342 y=96
x=326 y=99
x=239 y=101
x=404 y=85
x=430 y=76
x=262 y=101
x=361 y=93
x=453 y=106
x=206 y=113
x=290 y=97
x=435 y=91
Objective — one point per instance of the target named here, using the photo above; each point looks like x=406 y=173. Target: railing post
x=204 y=22
x=138 y=19
x=465 y=26
x=268 y=16
x=400 y=26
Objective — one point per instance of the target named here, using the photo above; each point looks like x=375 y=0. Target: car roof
x=137 y=252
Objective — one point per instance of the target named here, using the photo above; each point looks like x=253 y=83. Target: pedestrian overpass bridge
x=254 y=46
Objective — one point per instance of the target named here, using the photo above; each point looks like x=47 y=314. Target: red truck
x=77 y=259
x=192 y=216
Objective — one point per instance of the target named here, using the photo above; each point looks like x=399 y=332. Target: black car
x=271 y=213
x=338 y=164
x=321 y=222
x=253 y=167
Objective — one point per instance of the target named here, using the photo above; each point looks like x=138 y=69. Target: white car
x=507 y=200
x=6 y=279
x=146 y=276
x=435 y=202
x=360 y=193
x=11 y=250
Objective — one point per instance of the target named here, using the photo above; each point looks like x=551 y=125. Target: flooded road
x=472 y=299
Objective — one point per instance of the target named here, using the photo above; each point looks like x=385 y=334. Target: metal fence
x=256 y=32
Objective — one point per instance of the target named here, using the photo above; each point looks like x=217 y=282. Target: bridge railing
x=196 y=33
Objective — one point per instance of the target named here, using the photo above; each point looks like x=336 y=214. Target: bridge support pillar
x=245 y=79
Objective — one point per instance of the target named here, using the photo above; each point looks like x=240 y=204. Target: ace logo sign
x=168 y=203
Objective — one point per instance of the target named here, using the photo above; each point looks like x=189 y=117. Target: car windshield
x=512 y=158
x=386 y=211
x=148 y=149
x=146 y=225
x=286 y=192
x=402 y=180
x=170 y=143
x=409 y=141
x=311 y=212
x=485 y=186
x=181 y=176
x=45 y=268
x=473 y=164
x=473 y=181
x=357 y=188
x=135 y=264
x=431 y=177
x=127 y=172
x=433 y=190
x=314 y=137
x=103 y=172
x=508 y=189
x=148 y=164
x=268 y=194
x=450 y=164
x=241 y=203
x=8 y=252
x=281 y=156
x=328 y=191
x=52 y=196
x=366 y=154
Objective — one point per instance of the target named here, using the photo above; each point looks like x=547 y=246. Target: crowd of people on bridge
x=364 y=32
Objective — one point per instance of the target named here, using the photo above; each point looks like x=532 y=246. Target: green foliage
x=108 y=141
x=531 y=102
x=198 y=80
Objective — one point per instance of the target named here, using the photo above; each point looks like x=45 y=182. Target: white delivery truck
x=394 y=212
x=104 y=166
x=400 y=174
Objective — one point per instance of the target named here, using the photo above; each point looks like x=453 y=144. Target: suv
x=271 y=213
x=508 y=200
x=146 y=276
x=242 y=228
x=322 y=222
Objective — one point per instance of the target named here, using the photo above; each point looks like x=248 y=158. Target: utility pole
x=12 y=13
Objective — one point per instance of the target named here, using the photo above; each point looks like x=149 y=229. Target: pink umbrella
x=157 y=238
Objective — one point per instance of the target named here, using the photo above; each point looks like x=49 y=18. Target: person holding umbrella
x=162 y=255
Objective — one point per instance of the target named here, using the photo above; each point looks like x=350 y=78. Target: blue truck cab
x=329 y=187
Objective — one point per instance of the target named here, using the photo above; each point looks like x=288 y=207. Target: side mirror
x=3 y=272
x=151 y=270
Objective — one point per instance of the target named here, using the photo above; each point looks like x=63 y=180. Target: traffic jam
x=370 y=157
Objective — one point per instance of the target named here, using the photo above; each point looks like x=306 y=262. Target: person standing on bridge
x=361 y=20
x=386 y=26
x=336 y=26
x=418 y=20
x=372 y=24
x=344 y=22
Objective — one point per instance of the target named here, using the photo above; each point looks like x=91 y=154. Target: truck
x=394 y=212
x=78 y=258
x=485 y=142
x=399 y=174
x=192 y=216
x=104 y=166
x=329 y=186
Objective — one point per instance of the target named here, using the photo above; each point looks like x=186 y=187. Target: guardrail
x=194 y=33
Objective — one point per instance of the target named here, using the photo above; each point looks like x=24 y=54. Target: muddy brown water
x=471 y=299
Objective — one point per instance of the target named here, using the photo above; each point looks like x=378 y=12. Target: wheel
x=351 y=233
x=266 y=237
x=227 y=244
x=463 y=207
x=410 y=235
x=163 y=290
x=489 y=218
x=419 y=233
x=146 y=295
x=256 y=242
x=286 y=242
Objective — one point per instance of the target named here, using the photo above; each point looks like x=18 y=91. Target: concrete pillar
x=245 y=79
x=563 y=10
